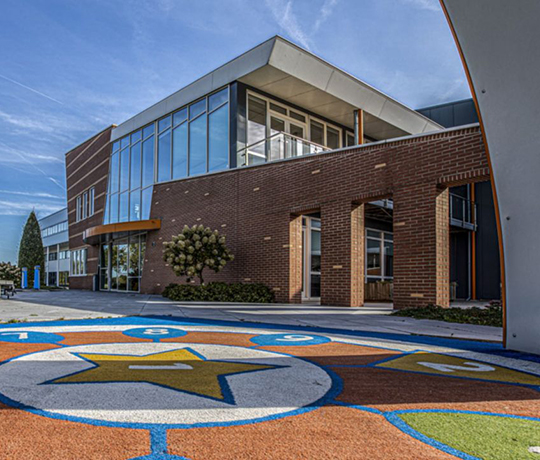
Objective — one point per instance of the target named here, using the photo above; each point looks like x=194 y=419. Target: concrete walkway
x=54 y=305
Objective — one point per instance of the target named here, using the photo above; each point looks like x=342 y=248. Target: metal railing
x=277 y=147
x=462 y=212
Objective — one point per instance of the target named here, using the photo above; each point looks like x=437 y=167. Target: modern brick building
x=322 y=184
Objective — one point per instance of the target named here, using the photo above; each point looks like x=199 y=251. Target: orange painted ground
x=330 y=431
x=27 y=436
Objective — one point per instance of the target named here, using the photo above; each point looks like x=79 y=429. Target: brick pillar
x=295 y=259
x=421 y=246
x=342 y=254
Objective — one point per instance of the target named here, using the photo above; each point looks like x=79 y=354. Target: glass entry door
x=311 y=266
x=288 y=146
x=121 y=263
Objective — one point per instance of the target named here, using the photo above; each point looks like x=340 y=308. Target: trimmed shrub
x=220 y=292
x=195 y=249
x=10 y=272
x=491 y=315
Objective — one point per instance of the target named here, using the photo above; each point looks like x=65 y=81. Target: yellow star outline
x=181 y=370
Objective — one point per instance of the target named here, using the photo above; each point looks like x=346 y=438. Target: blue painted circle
x=16 y=336
x=155 y=333
x=288 y=340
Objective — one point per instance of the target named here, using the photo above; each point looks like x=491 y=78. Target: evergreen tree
x=31 y=251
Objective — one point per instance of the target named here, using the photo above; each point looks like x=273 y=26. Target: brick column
x=421 y=246
x=295 y=259
x=342 y=254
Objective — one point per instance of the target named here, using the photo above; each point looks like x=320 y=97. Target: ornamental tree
x=195 y=249
x=9 y=272
x=31 y=251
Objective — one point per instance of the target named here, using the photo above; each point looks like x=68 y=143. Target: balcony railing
x=277 y=147
x=462 y=212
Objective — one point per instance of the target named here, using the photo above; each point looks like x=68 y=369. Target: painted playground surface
x=158 y=389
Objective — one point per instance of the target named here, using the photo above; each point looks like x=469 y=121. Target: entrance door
x=311 y=267
x=121 y=263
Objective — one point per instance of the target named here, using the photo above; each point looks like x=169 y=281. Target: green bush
x=220 y=292
x=489 y=316
x=195 y=249
x=10 y=272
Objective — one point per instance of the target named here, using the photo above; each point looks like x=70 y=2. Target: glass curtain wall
x=121 y=264
x=131 y=177
x=191 y=141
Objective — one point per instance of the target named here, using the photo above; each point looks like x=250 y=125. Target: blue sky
x=69 y=68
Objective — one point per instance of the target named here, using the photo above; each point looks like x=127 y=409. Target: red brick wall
x=87 y=166
x=256 y=208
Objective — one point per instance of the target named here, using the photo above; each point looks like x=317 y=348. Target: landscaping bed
x=220 y=292
x=491 y=315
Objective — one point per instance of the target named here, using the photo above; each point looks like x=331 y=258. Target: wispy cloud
x=430 y=5
x=25 y=158
x=10 y=155
x=326 y=11
x=34 y=194
x=31 y=89
x=289 y=22
x=22 y=208
x=286 y=18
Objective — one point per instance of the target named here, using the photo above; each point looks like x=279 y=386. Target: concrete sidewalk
x=54 y=305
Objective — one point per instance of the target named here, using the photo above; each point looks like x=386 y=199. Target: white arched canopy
x=498 y=41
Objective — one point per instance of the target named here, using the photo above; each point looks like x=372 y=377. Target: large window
x=193 y=140
x=54 y=229
x=379 y=255
x=85 y=204
x=78 y=262
x=276 y=131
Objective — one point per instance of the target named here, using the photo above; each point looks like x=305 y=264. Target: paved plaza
x=55 y=305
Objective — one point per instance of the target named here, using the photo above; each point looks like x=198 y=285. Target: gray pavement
x=374 y=317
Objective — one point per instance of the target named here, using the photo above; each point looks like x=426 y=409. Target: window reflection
x=123 y=210
x=148 y=162
x=164 y=156
x=113 y=175
x=146 y=202
x=180 y=151
x=135 y=205
x=197 y=146
x=218 y=130
x=136 y=166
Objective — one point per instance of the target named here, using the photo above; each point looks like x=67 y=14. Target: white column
x=58 y=265
x=46 y=268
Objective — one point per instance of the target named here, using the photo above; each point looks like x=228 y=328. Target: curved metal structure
x=498 y=41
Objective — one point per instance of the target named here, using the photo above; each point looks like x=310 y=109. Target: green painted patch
x=483 y=436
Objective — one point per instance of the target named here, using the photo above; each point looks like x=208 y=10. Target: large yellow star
x=181 y=370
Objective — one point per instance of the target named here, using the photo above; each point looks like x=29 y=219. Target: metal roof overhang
x=97 y=234
x=293 y=74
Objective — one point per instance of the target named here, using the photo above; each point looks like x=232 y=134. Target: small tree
x=9 y=272
x=31 y=248
x=195 y=249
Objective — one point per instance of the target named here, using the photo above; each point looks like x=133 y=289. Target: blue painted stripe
x=470 y=345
